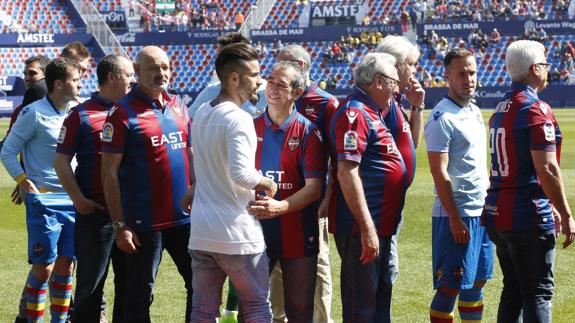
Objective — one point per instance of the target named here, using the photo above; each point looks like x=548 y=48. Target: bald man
x=146 y=151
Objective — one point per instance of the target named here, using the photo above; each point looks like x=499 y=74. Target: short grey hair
x=297 y=53
x=298 y=79
x=399 y=47
x=519 y=57
x=371 y=65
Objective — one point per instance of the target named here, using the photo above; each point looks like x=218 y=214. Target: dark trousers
x=526 y=260
x=94 y=245
x=142 y=266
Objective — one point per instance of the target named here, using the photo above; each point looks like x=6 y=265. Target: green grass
x=413 y=290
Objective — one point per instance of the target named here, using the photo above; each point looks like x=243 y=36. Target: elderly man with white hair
x=526 y=200
x=369 y=191
x=406 y=131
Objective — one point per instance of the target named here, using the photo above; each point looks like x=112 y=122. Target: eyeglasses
x=546 y=65
x=394 y=82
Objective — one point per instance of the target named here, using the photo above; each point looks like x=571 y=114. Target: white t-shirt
x=224 y=142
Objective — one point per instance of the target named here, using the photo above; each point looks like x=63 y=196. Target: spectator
x=239 y=20
x=495 y=36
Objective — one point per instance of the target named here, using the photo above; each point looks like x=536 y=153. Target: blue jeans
x=526 y=260
x=94 y=245
x=365 y=289
x=248 y=273
x=142 y=266
x=299 y=277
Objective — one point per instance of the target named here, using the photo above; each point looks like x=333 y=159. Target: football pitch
x=412 y=292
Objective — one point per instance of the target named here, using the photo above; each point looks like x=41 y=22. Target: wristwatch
x=118 y=225
x=419 y=108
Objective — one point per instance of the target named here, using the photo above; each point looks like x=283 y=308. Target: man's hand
x=127 y=240
x=27 y=187
x=271 y=192
x=369 y=246
x=188 y=199
x=87 y=206
x=16 y=197
x=415 y=94
x=568 y=229
x=266 y=208
x=459 y=230
x=322 y=211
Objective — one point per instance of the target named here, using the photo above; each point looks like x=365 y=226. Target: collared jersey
x=358 y=134
x=460 y=132
x=290 y=154
x=81 y=135
x=34 y=134
x=154 y=174
x=515 y=199
x=398 y=124
x=318 y=107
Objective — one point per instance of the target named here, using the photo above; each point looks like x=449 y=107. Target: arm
x=415 y=96
x=188 y=198
x=415 y=124
x=267 y=207
x=549 y=174
x=438 y=162
x=126 y=238
x=352 y=188
x=66 y=176
x=324 y=206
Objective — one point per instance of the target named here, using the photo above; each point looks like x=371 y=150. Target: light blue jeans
x=248 y=273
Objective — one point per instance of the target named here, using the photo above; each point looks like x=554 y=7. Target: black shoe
x=20 y=320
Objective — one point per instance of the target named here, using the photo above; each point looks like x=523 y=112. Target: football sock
x=441 y=310
x=470 y=305
x=60 y=294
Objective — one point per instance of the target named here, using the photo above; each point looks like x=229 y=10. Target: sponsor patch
x=351 y=115
x=107 y=132
x=38 y=249
x=549 y=130
x=350 y=140
x=309 y=109
x=293 y=143
x=62 y=135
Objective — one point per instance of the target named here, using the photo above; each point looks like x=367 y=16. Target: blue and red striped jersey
x=359 y=134
x=318 y=107
x=515 y=199
x=81 y=135
x=398 y=124
x=289 y=154
x=154 y=174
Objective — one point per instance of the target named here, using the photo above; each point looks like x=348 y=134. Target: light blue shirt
x=35 y=133
x=211 y=91
x=460 y=132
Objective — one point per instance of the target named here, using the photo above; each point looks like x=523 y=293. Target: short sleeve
x=314 y=155
x=115 y=130
x=69 y=137
x=542 y=127
x=438 y=132
x=351 y=132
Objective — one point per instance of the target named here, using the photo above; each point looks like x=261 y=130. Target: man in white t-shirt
x=225 y=240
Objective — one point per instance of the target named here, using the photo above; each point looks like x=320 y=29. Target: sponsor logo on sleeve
x=309 y=109
x=350 y=140
x=436 y=115
x=549 y=131
x=351 y=115
x=293 y=143
x=62 y=135
x=107 y=132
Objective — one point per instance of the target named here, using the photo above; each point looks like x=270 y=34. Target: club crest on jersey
x=309 y=109
x=62 y=135
x=293 y=143
x=107 y=132
x=549 y=131
x=351 y=115
x=350 y=140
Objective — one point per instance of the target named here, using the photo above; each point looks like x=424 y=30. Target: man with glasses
x=462 y=251
x=526 y=199
x=369 y=191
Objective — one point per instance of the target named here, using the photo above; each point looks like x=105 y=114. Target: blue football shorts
x=460 y=265
x=50 y=219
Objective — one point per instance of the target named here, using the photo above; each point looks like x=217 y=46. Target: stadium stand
x=45 y=16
